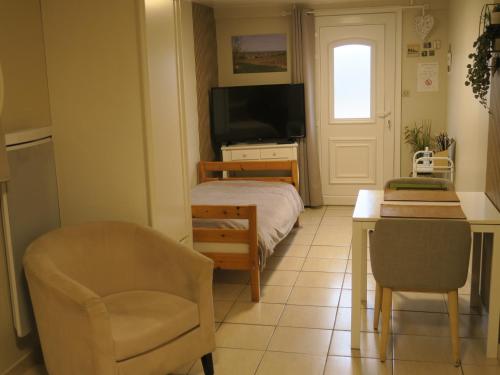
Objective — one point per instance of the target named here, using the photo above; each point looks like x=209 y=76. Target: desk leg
x=494 y=308
x=364 y=236
x=477 y=247
x=357 y=260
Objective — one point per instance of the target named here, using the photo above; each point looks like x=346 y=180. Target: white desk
x=483 y=217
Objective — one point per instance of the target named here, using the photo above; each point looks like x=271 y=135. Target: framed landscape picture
x=264 y=53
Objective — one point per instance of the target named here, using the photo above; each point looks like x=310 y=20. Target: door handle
x=384 y=114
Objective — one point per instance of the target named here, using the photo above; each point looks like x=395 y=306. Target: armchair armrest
x=63 y=306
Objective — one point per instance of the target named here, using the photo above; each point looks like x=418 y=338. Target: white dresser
x=259 y=151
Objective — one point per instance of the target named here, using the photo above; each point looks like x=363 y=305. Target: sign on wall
x=428 y=77
x=259 y=53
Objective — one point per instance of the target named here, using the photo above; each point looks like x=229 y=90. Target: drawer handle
x=274 y=153
x=244 y=155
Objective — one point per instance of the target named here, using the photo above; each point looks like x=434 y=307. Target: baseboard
x=30 y=359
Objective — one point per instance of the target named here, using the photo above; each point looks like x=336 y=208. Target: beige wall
x=96 y=95
x=418 y=106
x=467 y=119
x=249 y=21
x=23 y=62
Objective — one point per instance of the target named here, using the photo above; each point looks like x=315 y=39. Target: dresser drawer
x=276 y=153
x=245 y=155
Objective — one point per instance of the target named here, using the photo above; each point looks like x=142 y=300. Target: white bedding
x=278 y=207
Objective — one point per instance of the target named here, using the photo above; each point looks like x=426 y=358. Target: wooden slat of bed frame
x=248 y=165
x=221 y=235
x=228 y=166
x=287 y=180
x=220 y=212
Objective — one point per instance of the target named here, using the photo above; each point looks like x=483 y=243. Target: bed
x=238 y=221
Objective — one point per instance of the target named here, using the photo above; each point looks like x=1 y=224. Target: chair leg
x=386 y=317
x=453 y=312
x=208 y=364
x=378 y=305
x=255 y=284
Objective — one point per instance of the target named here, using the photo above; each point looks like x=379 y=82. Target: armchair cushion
x=145 y=320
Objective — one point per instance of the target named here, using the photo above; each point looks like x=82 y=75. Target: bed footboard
x=227 y=260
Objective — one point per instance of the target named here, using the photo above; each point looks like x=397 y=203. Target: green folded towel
x=409 y=185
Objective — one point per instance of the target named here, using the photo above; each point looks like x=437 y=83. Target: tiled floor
x=301 y=326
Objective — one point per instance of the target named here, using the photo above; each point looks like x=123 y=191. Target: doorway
x=358 y=88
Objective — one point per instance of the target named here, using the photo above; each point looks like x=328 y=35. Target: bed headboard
x=206 y=169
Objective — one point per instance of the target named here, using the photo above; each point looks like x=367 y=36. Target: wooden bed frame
x=238 y=261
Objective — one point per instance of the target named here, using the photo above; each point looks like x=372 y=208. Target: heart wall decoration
x=424 y=25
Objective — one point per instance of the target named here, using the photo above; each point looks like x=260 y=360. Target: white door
x=357 y=80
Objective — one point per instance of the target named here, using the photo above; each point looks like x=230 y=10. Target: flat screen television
x=257 y=113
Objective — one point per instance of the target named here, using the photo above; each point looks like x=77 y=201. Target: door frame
x=398 y=12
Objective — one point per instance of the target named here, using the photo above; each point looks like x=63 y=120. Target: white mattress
x=278 y=207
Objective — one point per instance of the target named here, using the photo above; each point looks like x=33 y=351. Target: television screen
x=257 y=113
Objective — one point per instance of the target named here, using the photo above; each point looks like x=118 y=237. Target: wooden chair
x=421 y=256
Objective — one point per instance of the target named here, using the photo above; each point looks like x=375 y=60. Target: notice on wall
x=427 y=77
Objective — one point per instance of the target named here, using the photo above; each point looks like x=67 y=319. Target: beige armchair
x=121 y=299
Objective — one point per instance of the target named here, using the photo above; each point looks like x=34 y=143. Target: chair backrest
x=420 y=255
x=447 y=184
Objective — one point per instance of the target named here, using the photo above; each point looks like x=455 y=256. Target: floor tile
x=232 y=361
x=473 y=352
x=279 y=278
x=342 y=222
x=227 y=292
x=343 y=320
x=327 y=237
x=420 y=323
x=268 y=294
x=286 y=249
x=254 y=313
x=221 y=308
x=299 y=238
x=345 y=211
x=324 y=265
x=284 y=263
x=473 y=326
x=300 y=340
x=410 y=301
x=341 y=345
x=422 y=348
x=320 y=279
x=357 y=366
x=425 y=368
x=308 y=317
x=306 y=228
x=275 y=363
x=368 y=267
x=314 y=296
x=334 y=252
x=346 y=299
x=370 y=282
x=243 y=336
